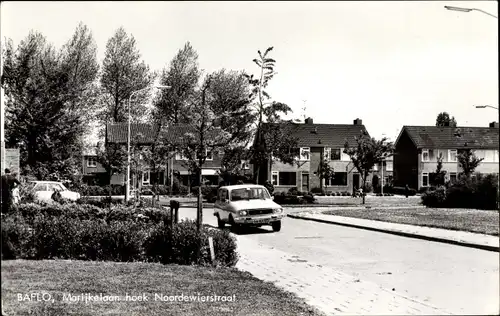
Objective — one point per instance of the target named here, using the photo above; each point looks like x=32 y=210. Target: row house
x=144 y=134
x=418 y=148
x=316 y=142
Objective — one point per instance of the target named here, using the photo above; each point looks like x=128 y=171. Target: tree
x=268 y=112
x=443 y=119
x=324 y=171
x=182 y=76
x=123 y=73
x=439 y=176
x=468 y=161
x=366 y=152
x=47 y=97
x=112 y=157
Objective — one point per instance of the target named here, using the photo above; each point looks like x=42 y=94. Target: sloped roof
x=453 y=137
x=145 y=133
x=323 y=135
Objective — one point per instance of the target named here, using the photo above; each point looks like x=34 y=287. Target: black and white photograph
x=245 y=158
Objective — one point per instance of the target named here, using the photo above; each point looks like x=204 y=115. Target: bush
x=294 y=191
x=479 y=192
x=368 y=188
x=436 y=198
x=90 y=233
x=402 y=191
x=184 y=245
x=317 y=190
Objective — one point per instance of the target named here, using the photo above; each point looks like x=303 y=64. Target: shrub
x=436 y=198
x=317 y=190
x=368 y=188
x=478 y=192
x=401 y=191
x=294 y=191
x=184 y=245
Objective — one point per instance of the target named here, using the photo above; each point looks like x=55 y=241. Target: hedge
x=87 y=232
x=479 y=192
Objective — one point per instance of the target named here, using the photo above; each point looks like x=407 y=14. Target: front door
x=355 y=181
x=305 y=182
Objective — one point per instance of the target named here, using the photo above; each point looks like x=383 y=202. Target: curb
x=400 y=233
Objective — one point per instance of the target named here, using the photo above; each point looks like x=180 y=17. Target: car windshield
x=249 y=194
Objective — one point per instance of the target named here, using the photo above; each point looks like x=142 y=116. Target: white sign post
x=212 y=252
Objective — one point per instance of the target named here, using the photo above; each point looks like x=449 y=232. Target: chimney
x=309 y=121
x=358 y=122
x=494 y=124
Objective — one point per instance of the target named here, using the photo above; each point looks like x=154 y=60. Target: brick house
x=316 y=141
x=144 y=135
x=93 y=172
x=385 y=170
x=418 y=148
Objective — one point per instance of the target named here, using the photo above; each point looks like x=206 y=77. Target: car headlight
x=278 y=210
x=243 y=213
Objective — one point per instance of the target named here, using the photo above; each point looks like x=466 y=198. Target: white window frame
x=344 y=156
x=455 y=174
x=327 y=153
x=449 y=155
x=180 y=156
x=275 y=173
x=93 y=159
x=428 y=155
x=389 y=163
x=211 y=157
x=149 y=177
x=304 y=150
x=245 y=165
x=425 y=174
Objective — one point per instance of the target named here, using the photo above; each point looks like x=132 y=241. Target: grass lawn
x=370 y=201
x=476 y=221
x=61 y=277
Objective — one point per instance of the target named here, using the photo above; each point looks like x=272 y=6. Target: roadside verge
x=460 y=238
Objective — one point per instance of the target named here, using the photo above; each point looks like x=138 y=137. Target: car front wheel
x=276 y=226
x=220 y=223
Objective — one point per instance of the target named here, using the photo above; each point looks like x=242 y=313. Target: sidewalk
x=331 y=291
x=467 y=239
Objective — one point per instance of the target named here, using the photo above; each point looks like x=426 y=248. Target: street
x=457 y=279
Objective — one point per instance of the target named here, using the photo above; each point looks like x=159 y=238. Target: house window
x=335 y=154
x=305 y=153
x=389 y=166
x=453 y=177
x=452 y=155
x=91 y=162
x=425 y=155
x=180 y=156
x=287 y=178
x=327 y=153
x=209 y=155
x=344 y=156
x=425 y=179
x=145 y=177
x=245 y=165
x=275 y=177
x=375 y=167
x=339 y=179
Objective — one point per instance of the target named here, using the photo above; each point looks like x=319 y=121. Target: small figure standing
x=407 y=190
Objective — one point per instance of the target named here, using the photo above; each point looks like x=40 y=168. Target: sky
x=388 y=63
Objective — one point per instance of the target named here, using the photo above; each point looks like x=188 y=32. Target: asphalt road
x=459 y=279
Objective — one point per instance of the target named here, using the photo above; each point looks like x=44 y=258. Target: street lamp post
x=127 y=183
x=468 y=10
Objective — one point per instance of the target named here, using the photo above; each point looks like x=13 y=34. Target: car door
x=42 y=192
x=223 y=203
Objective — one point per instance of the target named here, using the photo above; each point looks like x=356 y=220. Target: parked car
x=44 y=190
x=248 y=205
